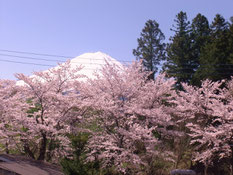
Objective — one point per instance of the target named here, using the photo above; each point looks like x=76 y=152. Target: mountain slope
x=90 y=63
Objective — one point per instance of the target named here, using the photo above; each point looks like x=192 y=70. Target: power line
x=43 y=59
x=51 y=55
x=185 y=64
x=33 y=53
x=48 y=65
x=63 y=56
x=31 y=58
x=37 y=64
x=186 y=73
x=203 y=66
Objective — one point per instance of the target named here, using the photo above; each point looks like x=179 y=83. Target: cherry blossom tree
x=129 y=109
x=129 y=113
x=7 y=96
x=42 y=110
x=208 y=113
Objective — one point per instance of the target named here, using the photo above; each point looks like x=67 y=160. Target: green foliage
x=200 y=51
x=37 y=107
x=161 y=166
x=150 y=46
x=216 y=57
x=77 y=164
x=180 y=62
x=200 y=35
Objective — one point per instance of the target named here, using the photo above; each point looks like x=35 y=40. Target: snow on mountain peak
x=96 y=57
x=91 y=63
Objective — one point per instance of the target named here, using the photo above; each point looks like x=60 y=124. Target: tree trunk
x=28 y=151
x=205 y=170
x=42 y=147
x=179 y=154
x=49 y=156
x=177 y=161
x=7 y=148
x=231 y=168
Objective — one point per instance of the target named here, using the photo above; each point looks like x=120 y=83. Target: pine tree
x=215 y=60
x=150 y=47
x=179 y=61
x=231 y=41
x=200 y=34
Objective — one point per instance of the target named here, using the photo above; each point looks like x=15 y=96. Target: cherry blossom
x=208 y=113
x=129 y=108
x=41 y=111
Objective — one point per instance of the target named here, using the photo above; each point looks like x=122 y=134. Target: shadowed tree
x=150 y=47
x=215 y=60
x=200 y=33
x=180 y=62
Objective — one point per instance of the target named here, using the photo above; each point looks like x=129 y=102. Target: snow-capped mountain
x=91 y=63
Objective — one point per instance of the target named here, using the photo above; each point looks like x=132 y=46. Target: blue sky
x=74 y=27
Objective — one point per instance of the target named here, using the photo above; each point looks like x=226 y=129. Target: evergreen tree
x=150 y=47
x=200 y=33
x=180 y=62
x=215 y=60
x=231 y=41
